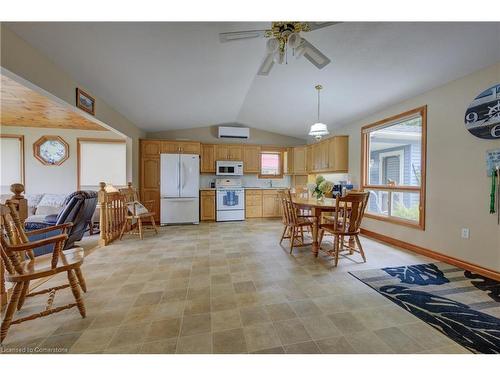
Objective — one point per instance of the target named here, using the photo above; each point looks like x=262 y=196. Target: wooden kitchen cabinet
x=253 y=203
x=207 y=158
x=338 y=154
x=288 y=160
x=271 y=203
x=179 y=147
x=251 y=159
x=150 y=182
x=150 y=148
x=299 y=159
x=207 y=205
x=229 y=152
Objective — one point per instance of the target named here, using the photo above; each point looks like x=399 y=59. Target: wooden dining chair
x=346 y=221
x=137 y=212
x=294 y=230
x=22 y=267
x=303 y=192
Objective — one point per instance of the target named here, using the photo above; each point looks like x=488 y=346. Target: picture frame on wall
x=85 y=102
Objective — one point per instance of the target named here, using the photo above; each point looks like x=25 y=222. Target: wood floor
x=228 y=288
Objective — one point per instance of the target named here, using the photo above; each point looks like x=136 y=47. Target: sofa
x=46 y=210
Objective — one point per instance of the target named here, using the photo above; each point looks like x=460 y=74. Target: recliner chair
x=78 y=209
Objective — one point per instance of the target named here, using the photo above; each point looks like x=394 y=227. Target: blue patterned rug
x=460 y=304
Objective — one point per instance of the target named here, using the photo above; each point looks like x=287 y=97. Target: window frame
x=365 y=160
x=271 y=150
x=20 y=137
x=78 y=153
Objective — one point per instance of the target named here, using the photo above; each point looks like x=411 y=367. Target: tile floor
x=228 y=288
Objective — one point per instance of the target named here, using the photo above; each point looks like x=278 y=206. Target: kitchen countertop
x=251 y=188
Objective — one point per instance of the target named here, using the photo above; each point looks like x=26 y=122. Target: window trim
x=20 y=137
x=78 y=153
x=365 y=131
x=273 y=150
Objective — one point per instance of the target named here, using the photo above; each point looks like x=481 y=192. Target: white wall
x=60 y=179
x=457 y=186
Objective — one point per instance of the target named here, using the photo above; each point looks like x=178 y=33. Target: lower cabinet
x=253 y=203
x=262 y=203
x=207 y=205
x=271 y=203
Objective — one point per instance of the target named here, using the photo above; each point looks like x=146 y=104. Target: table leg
x=315 y=233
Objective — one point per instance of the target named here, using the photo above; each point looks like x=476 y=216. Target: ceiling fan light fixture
x=279 y=57
x=294 y=40
x=272 y=45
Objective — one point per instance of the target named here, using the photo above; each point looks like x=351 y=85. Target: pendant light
x=318 y=129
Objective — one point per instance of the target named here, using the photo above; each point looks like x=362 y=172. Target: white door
x=169 y=175
x=189 y=176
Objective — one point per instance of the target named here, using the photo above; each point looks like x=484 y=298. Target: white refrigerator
x=179 y=188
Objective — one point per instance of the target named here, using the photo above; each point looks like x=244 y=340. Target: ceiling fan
x=282 y=36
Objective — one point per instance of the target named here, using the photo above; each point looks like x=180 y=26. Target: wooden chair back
x=302 y=192
x=292 y=210
x=284 y=207
x=349 y=211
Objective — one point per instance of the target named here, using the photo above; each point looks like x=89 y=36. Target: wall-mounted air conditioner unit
x=234 y=132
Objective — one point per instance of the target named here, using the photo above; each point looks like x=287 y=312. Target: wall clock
x=51 y=150
x=482 y=118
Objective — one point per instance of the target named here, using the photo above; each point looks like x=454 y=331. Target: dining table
x=317 y=208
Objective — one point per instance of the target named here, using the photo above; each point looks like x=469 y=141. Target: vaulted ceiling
x=165 y=76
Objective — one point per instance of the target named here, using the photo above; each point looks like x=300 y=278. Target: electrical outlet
x=465 y=233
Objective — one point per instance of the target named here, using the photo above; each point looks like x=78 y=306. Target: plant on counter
x=320 y=187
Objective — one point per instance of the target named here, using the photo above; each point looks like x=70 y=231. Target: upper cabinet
x=150 y=148
x=180 y=147
x=229 y=152
x=207 y=158
x=338 y=153
x=251 y=159
x=299 y=159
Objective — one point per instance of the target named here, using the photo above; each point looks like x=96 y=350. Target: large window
x=271 y=164
x=11 y=161
x=393 y=170
x=101 y=160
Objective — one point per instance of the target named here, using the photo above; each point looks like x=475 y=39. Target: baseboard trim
x=432 y=254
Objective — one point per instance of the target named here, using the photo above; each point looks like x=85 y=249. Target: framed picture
x=85 y=101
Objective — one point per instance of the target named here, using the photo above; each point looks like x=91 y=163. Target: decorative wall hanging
x=482 y=118
x=85 y=102
x=51 y=150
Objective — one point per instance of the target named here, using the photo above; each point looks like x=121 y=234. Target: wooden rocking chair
x=22 y=266
x=136 y=213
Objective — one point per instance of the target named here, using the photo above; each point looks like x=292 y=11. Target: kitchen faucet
x=270 y=183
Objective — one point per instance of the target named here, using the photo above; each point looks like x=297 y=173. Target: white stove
x=230 y=199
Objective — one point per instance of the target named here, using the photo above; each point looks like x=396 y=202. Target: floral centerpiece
x=320 y=187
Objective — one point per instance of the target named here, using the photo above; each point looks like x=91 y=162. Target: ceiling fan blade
x=239 y=35
x=319 y=25
x=266 y=65
x=314 y=55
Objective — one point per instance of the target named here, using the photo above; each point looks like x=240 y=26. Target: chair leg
x=292 y=239
x=337 y=250
x=22 y=297
x=123 y=229
x=283 y=234
x=154 y=224
x=81 y=279
x=139 y=224
x=360 y=247
x=76 y=293
x=302 y=234
x=11 y=309
x=321 y=234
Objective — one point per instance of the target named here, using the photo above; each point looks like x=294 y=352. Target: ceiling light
x=318 y=129
x=294 y=40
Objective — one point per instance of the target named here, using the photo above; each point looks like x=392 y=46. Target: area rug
x=462 y=305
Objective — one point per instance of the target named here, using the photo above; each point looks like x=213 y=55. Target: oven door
x=230 y=199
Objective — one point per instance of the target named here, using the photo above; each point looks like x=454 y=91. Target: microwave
x=229 y=168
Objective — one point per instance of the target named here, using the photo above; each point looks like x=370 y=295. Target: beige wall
x=20 y=58
x=61 y=179
x=208 y=134
x=457 y=186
